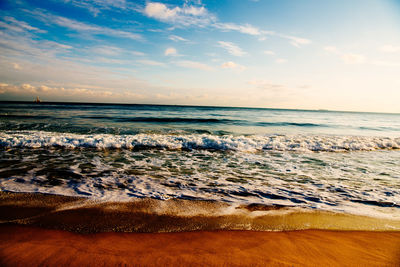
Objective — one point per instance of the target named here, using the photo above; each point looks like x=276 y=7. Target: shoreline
x=85 y=215
x=53 y=230
x=33 y=246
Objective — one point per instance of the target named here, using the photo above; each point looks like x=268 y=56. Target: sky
x=303 y=54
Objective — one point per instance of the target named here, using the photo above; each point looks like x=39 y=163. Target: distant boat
x=37 y=100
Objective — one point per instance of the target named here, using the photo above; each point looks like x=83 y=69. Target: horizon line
x=184 y=105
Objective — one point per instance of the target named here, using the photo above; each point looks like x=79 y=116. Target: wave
x=291 y=124
x=176 y=120
x=254 y=143
x=25 y=116
x=163 y=120
x=203 y=120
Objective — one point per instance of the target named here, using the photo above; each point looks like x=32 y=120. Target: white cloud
x=16 y=66
x=390 y=49
x=229 y=65
x=191 y=15
x=353 y=58
x=160 y=11
x=83 y=27
x=262 y=34
x=177 y=38
x=295 y=41
x=43 y=90
x=42 y=68
x=232 y=48
x=194 y=65
x=18 y=26
x=137 y=53
x=246 y=28
x=150 y=62
x=170 y=51
x=348 y=58
x=95 y=60
x=107 y=50
x=269 y=53
x=64 y=91
x=58 y=45
x=232 y=65
x=26 y=46
x=96 y=6
x=79 y=26
x=179 y=16
x=195 y=11
x=281 y=60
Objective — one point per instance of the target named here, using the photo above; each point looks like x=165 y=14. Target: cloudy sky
x=308 y=54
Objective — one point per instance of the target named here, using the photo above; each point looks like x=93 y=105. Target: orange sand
x=29 y=246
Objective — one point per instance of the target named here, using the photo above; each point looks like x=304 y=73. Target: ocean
x=310 y=160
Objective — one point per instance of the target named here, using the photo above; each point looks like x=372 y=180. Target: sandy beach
x=51 y=230
x=85 y=215
x=28 y=246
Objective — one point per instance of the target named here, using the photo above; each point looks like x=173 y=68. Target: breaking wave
x=253 y=143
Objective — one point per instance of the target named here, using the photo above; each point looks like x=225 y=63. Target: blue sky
x=308 y=54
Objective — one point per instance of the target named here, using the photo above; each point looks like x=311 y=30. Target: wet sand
x=31 y=246
x=50 y=230
x=82 y=215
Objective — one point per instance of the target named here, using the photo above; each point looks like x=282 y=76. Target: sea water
x=345 y=162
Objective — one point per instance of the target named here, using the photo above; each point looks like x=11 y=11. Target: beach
x=28 y=246
x=110 y=234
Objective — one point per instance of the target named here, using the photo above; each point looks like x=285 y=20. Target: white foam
x=37 y=139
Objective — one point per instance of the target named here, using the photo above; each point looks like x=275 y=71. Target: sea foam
x=253 y=143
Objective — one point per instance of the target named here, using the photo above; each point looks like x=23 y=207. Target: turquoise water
x=322 y=160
